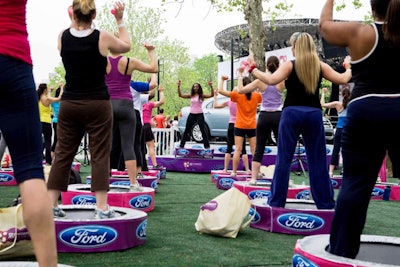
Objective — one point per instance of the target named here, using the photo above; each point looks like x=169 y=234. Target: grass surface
x=172 y=239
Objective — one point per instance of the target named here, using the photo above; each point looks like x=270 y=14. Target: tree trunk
x=253 y=15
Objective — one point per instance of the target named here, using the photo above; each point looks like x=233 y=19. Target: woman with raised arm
x=85 y=104
x=118 y=79
x=246 y=118
x=302 y=115
x=374 y=108
x=270 y=114
x=230 y=136
x=341 y=108
x=148 y=135
x=196 y=111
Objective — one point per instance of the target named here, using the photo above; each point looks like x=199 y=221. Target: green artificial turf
x=172 y=239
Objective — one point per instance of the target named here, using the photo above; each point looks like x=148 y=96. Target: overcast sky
x=196 y=24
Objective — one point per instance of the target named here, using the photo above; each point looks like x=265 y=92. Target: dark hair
x=390 y=10
x=58 y=91
x=175 y=118
x=161 y=110
x=346 y=94
x=273 y=63
x=199 y=92
x=42 y=87
x=246 y=81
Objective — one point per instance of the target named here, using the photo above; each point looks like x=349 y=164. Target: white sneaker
x=100 y=214
x=137 y=187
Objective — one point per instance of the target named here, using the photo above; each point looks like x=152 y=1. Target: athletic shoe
x=233 y=174
x=100 y=214
x=139 y=176
x=59 y=213
x=137 y=187
x=253 y=182
x=157 y=167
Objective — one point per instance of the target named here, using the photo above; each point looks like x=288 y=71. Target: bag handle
x=16 y=209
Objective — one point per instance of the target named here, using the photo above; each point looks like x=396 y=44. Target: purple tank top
x=271 y=99
x=118 y=84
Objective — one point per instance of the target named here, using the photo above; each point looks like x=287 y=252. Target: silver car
x=217 y=121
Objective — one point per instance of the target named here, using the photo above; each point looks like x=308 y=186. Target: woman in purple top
x=270 y=114
x=118 y=79
x=196 y=111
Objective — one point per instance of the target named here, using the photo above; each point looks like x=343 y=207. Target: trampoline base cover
x=299 y=217
x=81 y=232
x=379 y=251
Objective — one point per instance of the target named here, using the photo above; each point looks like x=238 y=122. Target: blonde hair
x=84 y=10
x=85 y=6
x=308 y=66
x=293 y=38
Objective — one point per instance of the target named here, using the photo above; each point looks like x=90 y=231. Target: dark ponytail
x=391 y=29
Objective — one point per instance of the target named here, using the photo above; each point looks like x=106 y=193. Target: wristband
x=251 y=68
x=121 y=25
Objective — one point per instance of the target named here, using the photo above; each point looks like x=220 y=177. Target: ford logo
x=125 y=183
x=267 y=150
x=256 y=217
x=84 y=200
x=223 y=149
x=305 y=194
x=141 y=202
x=182 y=152
x=5 y=177
x=377 y=192
x=204 y=152
x=215 y=176
x=88 y=180
x=334 y=183
x=154 y=184
x=300 y=221
x=299 y=261
x=141 y=230
x=89 y=236
x=257 y=194
x=226 y=182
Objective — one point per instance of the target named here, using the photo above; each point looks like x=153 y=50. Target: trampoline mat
x=382 y=253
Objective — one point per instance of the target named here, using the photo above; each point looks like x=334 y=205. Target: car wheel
x=196 y=133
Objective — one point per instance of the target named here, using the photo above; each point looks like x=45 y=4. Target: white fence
x=164 y=141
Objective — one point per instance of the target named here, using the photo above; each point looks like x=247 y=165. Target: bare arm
x=152 y=67
x=333 y=104
x=211 y=89
x=220 y=85
x=109 y=42
x=339 y=78
x=179 y=91
x=153 y=81
x=275 y=78
x=357 y=36
x=162 y=97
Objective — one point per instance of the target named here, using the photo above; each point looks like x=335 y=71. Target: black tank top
x=85 y=67
x=374 y=74
x=296 y=94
